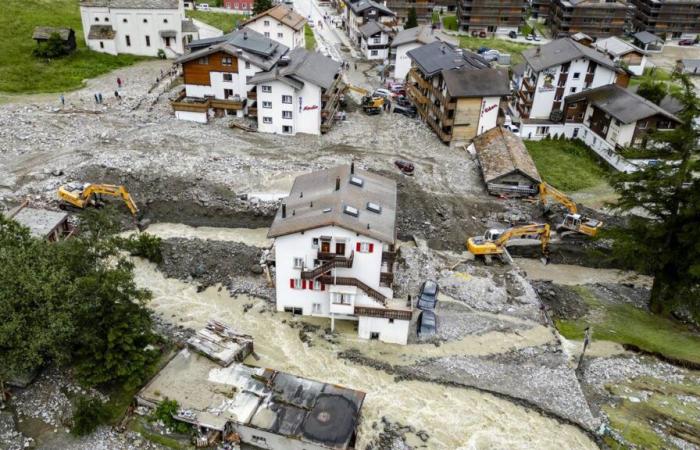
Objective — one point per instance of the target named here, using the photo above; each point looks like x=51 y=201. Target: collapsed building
x=42 y=223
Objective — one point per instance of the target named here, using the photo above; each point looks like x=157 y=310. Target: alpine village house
x=281 y=24
x=334 y=251
x=246 y=74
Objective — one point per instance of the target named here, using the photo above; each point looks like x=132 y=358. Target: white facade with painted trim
x=283 y=109
x=378 y=39
x=274 y=29
x=488 y=118
x=402 y=63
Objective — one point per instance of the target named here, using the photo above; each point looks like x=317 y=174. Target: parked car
x=511 y=127
x=397 y=89
x=403 y=101
x=491 y=55
x=528 y=37
x=408 y=111
x=686 y=42
x=483 y=50
x=381 y=92
x=427 y=299
x=536 y=38
x=427 y=324
x=203 y=6
x=405 y=166
x=513 y=35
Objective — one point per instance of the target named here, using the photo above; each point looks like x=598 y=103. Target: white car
x=381 y=92
x=203 y=6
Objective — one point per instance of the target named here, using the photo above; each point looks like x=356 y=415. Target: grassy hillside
x=223 y=21
x=22 y=72
x=567 y=165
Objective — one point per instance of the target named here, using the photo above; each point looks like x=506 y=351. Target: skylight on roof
x=374 y=207
x=351 y=211
x=357 y=181
x=327 y=210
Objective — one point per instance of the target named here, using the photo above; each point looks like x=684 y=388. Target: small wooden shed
x=505 y=164
x=42 y=34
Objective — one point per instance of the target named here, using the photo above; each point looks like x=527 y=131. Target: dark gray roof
x=188 y=26
x=438 y=56
x=133 y=4
x=318 y=188
x=362 y=5
x=373 y=27
x=254 y=47
x=41 y=222
x=302 y=66
x=46 y=32
x=422 y=35
x=476 y=83
x=646 y=37
x=501 y=152
x=620 y=103
x=282 y=13
x=561 y=51
x=101 y=32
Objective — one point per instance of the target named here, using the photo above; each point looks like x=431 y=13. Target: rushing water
x=454 y=418
x=573 y=275
x=256 y=237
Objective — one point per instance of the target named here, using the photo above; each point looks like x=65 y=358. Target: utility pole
x=586 y=340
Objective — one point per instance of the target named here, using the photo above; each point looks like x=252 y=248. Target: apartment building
x=668 y=19
x=488 y=16
x=424 y=9
x=139 y=27
x=539 y=9
x=553 y=71
x=596 y=18
x=334 y=251
x=281 y=24
x=217 y=74
x=375 y=39
x=405 y=41
x=301 y=94
x=364 y=11
x=456 y=92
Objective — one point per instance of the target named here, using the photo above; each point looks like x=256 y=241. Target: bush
x=89 y=414
x=52 y=48
x=144 y=245
x=161 y=53
x=165 y=412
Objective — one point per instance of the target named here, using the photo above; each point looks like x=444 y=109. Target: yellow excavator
x=82 y=195
x=371 y=104
x=494 y=241
x=573 y=221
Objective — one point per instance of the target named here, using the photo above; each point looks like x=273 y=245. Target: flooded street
x=573 y=275
x=454 y=418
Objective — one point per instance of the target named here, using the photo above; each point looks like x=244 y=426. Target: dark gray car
x=427 y=298
x=427 y=324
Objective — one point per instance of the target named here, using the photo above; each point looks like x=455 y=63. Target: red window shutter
x=357 y=247
x=311 y=285
x=303 y=284
x=371 y=248
x=291 y=283
x=323 y=287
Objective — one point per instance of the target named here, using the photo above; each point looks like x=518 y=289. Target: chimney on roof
x=337 y=183
x=245 y=35
x=284 y=210
x=311 y=204
x=352 y=168
x=301 y=194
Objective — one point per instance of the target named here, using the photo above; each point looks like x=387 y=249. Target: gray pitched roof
x=302 y=66
x=306 y=212
x=46 y=32
x=133 y=4
x=245 y=44
x=373 y=27
x=476 y=83
x=282 y=13
x=646 y=37
x=101 y=32
x=362 y=5
x=422 y=35
x=438 y=56
x=561 y=51
x=40 y=222
x=622 y=104
x=501 y=152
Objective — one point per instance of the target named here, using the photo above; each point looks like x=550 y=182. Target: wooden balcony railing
x=384 y=313
x=349 y=281
x=338 y=261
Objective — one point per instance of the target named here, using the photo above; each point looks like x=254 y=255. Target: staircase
x=349 y=281
x=337 y=261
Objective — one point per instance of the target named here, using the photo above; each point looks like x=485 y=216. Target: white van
x=203 y=6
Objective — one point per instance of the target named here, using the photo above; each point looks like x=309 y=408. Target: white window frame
x=287 y=115
x=288 y=97
x=577 y=75
x=316 y=308
x=280 y=35
x=229 y=75
x=267 y=120
x=267 y=105
x=266 y=23
x=266 y=88
x=364 y=247
x=298 y=262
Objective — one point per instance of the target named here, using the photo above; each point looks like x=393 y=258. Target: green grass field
x=20 y=72
x=450 y=23
x=567 y=165
x=513 y=48
x=223 y=21
x=309 y=38
x=627 y=324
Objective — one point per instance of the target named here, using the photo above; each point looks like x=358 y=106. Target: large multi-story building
x=280 y=23
x=670 y=19
x=334 y=251
x=539 y=9
x=139 y=27
x=456 y=92
x=405 y=41
x=424 y=9
x=555 y=70
x=488 y=16
x=596 y=18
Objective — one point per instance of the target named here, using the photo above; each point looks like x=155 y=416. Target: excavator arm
x=541 y=230
x=114 y=191
x=549 y=191
x=358 y=89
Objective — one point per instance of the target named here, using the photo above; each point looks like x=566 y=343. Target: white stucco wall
x=489 y=114
x=277 y=31
x=191 y=116
x=382 y=54
x=305 y=108
x=395 y=333
x=402 y=63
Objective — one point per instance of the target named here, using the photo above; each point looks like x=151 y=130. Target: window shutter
x=291 y=283
x=323 y=287
x=357 y=247
x=371 y=248
x=311 y=285
x=303 y=284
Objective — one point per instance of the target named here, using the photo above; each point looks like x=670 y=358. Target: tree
x=652 y=91
x=52 y=48
x=261 y=6
x=663 y=239
x=412 y=19
x=89 y=414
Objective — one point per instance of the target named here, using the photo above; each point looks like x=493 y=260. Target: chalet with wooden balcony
x=424 y=9
x=668 y=19
x=334 y=251
x=596 y=18
x=456 y=92
x=553 y=71
x=489 y=16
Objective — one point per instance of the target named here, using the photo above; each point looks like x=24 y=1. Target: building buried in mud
x=257 y=406
x=334 y=251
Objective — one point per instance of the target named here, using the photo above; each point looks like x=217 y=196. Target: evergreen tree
x=412 y=20
x=261 y=6
x=664 y=231
x=652 y=91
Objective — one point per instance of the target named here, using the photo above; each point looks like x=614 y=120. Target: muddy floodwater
x=256 y=237
x=572 y=275
x=454 y=418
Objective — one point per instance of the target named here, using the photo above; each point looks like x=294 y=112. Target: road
x=328 y=37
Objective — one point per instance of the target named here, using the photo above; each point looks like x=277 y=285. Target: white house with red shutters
x=334 y=252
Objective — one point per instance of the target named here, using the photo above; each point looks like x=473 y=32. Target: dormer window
x=357 y=181
x=351 y=211
x=374 y=207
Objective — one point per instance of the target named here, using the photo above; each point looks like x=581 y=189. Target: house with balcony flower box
x=334 y=252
